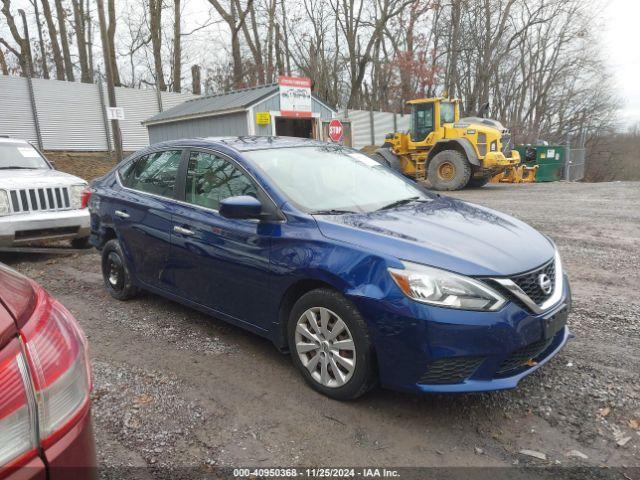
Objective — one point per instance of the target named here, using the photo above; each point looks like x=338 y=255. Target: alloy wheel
x=325 y=347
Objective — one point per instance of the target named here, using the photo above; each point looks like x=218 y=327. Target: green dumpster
x=549 y=158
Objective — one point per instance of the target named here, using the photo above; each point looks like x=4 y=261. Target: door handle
x=121 y=214
x=183 y=231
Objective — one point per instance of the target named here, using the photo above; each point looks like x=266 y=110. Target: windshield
x=20 y=155
x=447 y=112
x=328 y=179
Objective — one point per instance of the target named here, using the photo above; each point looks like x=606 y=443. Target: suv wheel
x=330 y=345
x=115 y=273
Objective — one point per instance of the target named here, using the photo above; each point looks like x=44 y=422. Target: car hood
x=445 y=233
x=36 y=178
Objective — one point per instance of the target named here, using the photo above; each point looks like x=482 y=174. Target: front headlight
x=445 y=289
x=4 y=203
x=75 y=191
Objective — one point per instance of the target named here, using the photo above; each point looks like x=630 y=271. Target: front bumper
x=497 y=160
x=421 y=348
x=18 y=229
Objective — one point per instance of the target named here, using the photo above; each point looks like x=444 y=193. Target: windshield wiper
x=17 y=167
x=403 y=201
x=332 y=211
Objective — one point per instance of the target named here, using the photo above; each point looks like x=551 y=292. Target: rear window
x=20 y=156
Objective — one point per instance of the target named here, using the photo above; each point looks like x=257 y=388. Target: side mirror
x=240 y=207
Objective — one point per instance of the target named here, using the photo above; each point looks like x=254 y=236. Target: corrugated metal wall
x=383 y=123
x=70 y=113
x=232 y=124
x=16 y=119
x=65 y=118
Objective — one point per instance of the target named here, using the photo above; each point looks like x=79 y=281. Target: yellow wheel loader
x=451 y=152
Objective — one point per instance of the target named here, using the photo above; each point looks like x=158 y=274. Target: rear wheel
x=449 y=170
x=115 y=273
x=330 y=345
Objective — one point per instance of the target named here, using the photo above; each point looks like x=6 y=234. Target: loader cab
x=429 y=115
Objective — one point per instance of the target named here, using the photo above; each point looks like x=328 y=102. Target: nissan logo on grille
x=545 y=283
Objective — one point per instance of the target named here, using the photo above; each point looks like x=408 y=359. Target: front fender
x=463 y=143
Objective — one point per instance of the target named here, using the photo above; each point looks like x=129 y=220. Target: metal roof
x=215 y=104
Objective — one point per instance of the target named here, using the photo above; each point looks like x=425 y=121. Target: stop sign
x=336 y=132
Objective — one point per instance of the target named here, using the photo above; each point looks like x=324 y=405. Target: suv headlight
x=445 y=289
x=4 y=203
x=75 y=191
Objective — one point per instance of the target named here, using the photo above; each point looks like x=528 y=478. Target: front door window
x=422 y=121
x=211 y=179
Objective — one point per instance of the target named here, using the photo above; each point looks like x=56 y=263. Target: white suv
x=36 y=201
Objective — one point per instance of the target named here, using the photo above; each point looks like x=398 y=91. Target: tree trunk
x=111 y=34
x=196 y=86
x=177 y=48
x=53 y=35
x=64 y=39
x=115 y=127
x=88 y=23
x=45 y=67
x=155 y=26
x=3 y=64
x=81 y=38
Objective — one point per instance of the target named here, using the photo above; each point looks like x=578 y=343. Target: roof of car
x=246 y=143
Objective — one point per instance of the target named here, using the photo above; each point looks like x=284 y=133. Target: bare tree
x=53 y=37
x=3 y=64
x=177 y=47
x=79 y=18
x=234 y=16
x=64 y=40
x=155 y=26
x=43 y=55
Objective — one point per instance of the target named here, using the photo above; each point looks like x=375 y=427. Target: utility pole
x=111 y=91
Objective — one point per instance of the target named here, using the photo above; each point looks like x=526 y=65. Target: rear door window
x=211 y=179
x=155 y=173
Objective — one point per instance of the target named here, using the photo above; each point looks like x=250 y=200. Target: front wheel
x=330 y=345
x=449 y=170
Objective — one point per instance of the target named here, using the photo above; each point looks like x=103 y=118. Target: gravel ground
x=176 y=388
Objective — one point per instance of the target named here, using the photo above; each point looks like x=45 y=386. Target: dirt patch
x=87 y=165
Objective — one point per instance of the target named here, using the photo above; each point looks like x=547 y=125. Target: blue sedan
x=363 y=276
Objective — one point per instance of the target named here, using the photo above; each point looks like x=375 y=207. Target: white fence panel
x=383 y=123
x=16 y=119
x=138 y=105
x=70 y=115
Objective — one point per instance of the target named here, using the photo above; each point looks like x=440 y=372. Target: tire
x=344 y=384
x=478 y=182
x=115 y=273
x=80 y=243
x=449 y=170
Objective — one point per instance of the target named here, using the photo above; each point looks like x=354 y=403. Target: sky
x=622 y=51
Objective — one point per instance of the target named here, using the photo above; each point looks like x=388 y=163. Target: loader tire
x=478 y=182
x=449 y=170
